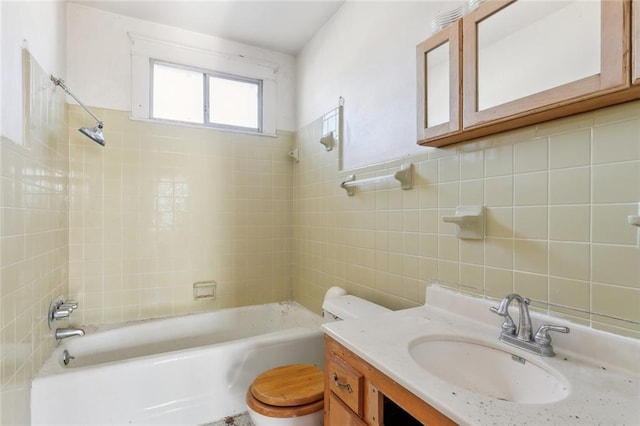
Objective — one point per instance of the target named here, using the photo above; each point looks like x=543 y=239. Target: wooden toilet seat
x=288 y=391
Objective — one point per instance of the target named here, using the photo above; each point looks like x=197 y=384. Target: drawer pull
x=346 y=386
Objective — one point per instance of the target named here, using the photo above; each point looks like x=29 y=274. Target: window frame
x=206 y=95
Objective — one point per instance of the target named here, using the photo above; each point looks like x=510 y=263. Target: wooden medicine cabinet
x=526 y=61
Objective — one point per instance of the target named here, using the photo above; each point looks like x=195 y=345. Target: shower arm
x=60 y=82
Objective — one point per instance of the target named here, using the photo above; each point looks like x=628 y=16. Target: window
x=192 y=95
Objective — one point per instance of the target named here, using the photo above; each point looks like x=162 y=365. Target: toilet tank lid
x=351 y=307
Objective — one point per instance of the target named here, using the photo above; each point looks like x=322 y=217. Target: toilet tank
x=347 y=306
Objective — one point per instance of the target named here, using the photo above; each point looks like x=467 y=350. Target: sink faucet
x=523 y=330
x=522 y=335
x=63 y=333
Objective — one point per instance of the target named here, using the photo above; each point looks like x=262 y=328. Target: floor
x=237 y=420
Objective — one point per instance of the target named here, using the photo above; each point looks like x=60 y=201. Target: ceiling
x=283 y=26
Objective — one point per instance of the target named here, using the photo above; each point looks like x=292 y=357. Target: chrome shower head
x=94 y=133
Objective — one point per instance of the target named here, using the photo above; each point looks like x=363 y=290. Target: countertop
x=602 y=370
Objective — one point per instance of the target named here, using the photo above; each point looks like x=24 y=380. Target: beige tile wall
x=164 y=206
x=33 y=239
x=557 y=198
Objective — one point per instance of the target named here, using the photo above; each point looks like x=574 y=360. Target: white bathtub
x=185 y=370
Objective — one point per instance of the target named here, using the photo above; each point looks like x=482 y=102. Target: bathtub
x=187 y=370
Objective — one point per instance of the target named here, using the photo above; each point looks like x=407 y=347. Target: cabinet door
x=439 y=64
x=340 y=415
x=528 y=56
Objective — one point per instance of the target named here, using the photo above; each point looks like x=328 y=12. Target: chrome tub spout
x=63 y=333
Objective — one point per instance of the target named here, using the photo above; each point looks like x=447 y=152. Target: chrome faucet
x=522 y=335
x=63 y=333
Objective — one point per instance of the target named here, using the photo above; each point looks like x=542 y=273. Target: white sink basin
x=488 y=370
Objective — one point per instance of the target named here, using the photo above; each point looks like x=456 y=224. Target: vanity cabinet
x=357 y=394
x=525 y=62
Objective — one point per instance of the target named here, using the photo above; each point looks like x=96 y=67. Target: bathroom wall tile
x=499 y=222
x=498 y=253
x=571 y=149
x=448 y=248
x=472 y=276
x=534 y=286
x=499 y=161
x=530 y=256
x=499 y=191
x=569 y=223
x=498 y=282
x=610 y=224
x=448 y=194
x=616 y=142
x=472 y=165
x=619 y=265
x=472 y=251
x=472 y=193
x=612 y=183
x=570 y=293
x=569 y=260
x=530 y=189
x=569 y=186
x=448 y=169
x=530 y=156
x=531 y=222
x=617 y=302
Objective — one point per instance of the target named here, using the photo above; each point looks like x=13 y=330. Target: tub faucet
x=63 y=333
x=522 y=335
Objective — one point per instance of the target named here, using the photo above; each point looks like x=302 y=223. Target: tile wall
x=557 y=197
x=33 y=238
x=163 y=206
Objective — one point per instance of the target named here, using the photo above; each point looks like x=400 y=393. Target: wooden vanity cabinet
x=357 y=394
x=518 y=68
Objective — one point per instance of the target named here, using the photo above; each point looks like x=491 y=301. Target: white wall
x=366 y=53
x=42 y=24
x=99 y=60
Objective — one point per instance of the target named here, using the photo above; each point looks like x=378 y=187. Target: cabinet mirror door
x=439 y=86
x=527 y=55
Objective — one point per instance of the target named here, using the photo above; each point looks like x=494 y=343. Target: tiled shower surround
x=164 y=206
x=34 y=238
x=557 y=197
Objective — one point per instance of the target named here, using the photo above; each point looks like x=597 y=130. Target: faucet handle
x=542 y=335
x=508 y=326
x=62 y=313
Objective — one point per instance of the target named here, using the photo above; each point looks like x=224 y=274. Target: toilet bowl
x=291 y=395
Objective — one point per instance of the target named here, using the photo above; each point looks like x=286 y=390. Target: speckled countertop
x=601 y=370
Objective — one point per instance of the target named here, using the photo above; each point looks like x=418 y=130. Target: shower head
x=94 y=133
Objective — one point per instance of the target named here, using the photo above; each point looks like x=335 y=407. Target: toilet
x=292 y=395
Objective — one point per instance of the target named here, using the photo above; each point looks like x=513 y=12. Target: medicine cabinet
x=524 y=62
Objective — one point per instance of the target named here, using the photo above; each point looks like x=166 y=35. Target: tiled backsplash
x=34 y=238
x=163 y=206
x=557 y=198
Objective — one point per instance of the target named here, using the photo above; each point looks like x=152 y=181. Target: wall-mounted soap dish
x=469 y=221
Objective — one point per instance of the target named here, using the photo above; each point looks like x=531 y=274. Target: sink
x=488 y=370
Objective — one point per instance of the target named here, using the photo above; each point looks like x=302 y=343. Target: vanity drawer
x=346 y=383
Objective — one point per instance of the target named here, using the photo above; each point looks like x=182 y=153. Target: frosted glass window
x=177 y=94
x=206 y=97
x=234 y=102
